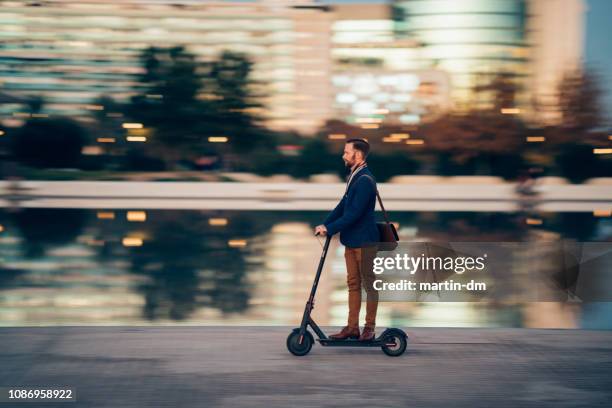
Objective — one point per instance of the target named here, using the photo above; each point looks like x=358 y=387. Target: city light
x=534 y=139
x=369 y=126
x=136 y=139
x=415 y=142
x=139 y=132
x=400 y=135
x=136 y=216
x=1 y=132
x=21 y=115
x=1 y=228
x=217 y=222
x=237 y=243
x=602 y=151
x=602 y=213
x=368 y=120
x=391 y=140
x=106 y=140
x=131 y=242
x=106 y=215
x=94 y=107
x=132 y=125
x=510 y=111
x=533 y=221
x=336 y=136
x=218 y=139
x=91 y=150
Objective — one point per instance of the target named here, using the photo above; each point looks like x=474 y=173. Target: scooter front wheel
x=296 y=347
x=394 y=345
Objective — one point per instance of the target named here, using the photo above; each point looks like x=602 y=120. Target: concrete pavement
x=250 y=367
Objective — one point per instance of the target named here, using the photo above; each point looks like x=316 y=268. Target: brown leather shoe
x=367 y=334
x=346 y=333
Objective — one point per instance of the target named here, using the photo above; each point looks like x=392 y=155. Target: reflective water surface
x=118 y=267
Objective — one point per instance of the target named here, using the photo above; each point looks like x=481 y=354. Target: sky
x=598 y=47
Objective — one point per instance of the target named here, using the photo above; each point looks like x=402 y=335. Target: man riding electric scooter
x=354 y=219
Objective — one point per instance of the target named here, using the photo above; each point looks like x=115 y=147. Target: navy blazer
x=354 y=216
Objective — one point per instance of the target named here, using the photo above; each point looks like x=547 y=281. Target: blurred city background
x=164 y=162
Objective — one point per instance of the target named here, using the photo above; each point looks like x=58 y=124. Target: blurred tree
x=315 y=158
x=35 y=104
x=496 y=92
x=236 y=111
x=571 y=142
x=55 y=142
x=579 y=102
x=183 y=102
x=484 y=140
x=43 y=228
x=167 y=105
x=474 y=143
x=109 y=118
x=577 y=162
x=385 y=166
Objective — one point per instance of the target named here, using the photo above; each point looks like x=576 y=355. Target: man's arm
x=356 y=206
x=336 y=212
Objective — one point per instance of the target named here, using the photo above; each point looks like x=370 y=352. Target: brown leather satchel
x=387 y=231
x=388 y=234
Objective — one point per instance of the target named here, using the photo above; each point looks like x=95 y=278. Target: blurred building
x=403 y=61
x=71 y=52
x=378 y=76
x=556 y=32
x=531 y=43
x=472 y=40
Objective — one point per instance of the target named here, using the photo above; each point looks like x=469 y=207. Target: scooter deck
x=351 y=343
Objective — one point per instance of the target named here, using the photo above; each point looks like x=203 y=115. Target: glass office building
x=71 y=52
x=378 y=76
x=472 y=40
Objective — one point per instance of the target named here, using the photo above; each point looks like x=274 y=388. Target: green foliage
x=53 y=142
x=385 y=166
x=577 y=162
x=316 y=158
x=185 y=101
x=580 y=101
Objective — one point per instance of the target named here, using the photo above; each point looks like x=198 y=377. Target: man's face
x=350 y=155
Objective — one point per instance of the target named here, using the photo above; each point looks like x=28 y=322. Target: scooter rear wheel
x=294 y=346
x=395 y=345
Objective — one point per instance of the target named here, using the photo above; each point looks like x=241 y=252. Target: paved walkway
x=250 y=367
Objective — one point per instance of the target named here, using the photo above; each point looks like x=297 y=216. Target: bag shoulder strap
x=382 y=207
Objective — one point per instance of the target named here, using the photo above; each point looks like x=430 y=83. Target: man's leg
x=367 y=278
x=353 y=280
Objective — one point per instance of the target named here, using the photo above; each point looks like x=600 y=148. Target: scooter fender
x=393 y=331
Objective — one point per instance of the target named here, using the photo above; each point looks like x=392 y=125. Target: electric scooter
x=392 y=341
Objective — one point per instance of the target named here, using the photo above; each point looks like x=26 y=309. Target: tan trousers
x=359 y=273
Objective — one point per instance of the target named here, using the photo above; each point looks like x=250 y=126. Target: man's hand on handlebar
x=320 y=230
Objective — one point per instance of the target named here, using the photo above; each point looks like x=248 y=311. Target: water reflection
x=66 y=266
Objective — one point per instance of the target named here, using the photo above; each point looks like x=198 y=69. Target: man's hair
x=360 y=144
